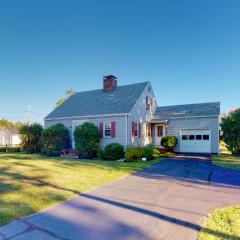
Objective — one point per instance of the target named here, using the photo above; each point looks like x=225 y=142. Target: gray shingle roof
x=97 y=102
x=188 y=110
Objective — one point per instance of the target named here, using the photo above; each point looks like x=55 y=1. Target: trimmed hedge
x=87 y=140
x=148 y=152
x=113 y=151
x=134 y=153
x=169 y=142
x=137 y=153
x=31 y=138
x=55 y=139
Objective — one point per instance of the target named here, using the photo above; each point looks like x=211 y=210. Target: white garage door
x=195 y=140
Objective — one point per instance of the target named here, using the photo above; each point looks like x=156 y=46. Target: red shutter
x=151 y=104
x=113 y=129
x=139 y=130
x=133 y=125
x=147 y=106
x=101 y=129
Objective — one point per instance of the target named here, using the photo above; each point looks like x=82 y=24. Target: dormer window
x=147 y=103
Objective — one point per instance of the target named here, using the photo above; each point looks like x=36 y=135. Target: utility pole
x=29 y=115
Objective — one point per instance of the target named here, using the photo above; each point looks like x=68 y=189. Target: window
x=160 y=131
x=151 y=105
x=147 y=104
x=205 y=137
x=135 y=129
x=198 y=137
x=107 y=130
x=184 y=137
x=191 y=137
x=148 y=130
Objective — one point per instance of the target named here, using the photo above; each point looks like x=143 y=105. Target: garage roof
x=188 y=110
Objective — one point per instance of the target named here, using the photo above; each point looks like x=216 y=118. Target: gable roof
x=12 y=130
x=188 y=110
x=98 y=102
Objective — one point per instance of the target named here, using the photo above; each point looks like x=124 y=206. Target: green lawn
x=222 y=223
x=227 y=161
x=30 y=183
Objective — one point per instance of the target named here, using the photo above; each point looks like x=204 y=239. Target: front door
x=159 y=133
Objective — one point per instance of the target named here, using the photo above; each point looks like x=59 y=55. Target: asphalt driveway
x=166 y=201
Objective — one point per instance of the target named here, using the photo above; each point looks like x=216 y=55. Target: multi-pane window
x=135 y=129
x=148 y=130
x=107 y=130
x=191 y=137
x=205 y=137
x=159 y=131
x=196 y=137
x=184 y=137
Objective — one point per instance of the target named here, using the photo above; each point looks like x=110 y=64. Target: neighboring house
x=129 y=115
x=9 y=136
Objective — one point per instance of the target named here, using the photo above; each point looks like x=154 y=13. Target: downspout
x=126 y=131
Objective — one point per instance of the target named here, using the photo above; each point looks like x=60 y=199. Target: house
x=130 y=115
x=9 y=136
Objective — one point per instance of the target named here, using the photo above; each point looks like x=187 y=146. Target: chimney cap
x=109 y=77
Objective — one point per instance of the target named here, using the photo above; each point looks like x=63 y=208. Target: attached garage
x=195 y=140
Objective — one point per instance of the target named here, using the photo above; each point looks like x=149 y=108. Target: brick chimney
x=109 y=83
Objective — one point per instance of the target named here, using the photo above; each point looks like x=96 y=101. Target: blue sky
x=189 y=50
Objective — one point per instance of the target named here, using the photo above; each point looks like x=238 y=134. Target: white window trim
x=136 y=129
x=104 y=124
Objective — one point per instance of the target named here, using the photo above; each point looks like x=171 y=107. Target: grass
x=226 y=159
x=224 y=221
x=30 y=183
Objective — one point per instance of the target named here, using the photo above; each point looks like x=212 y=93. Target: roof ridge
x=126 y=85
x=188 y=104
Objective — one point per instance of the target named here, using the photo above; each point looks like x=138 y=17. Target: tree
x=69 y=92
x=231 y=131
x=87 y=140
x=55 y=139
x=18 y=124
x=5 y=123
x=31 y=137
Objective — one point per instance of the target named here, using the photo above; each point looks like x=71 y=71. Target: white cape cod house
x=9 y=136
x=130 y=115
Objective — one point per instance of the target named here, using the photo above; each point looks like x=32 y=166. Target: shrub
x=156 y=152
x=31 y=138
x=54 y=139
x=87 y=139
x=100 y=153
x=231 y=131
x=113 y=151
x=147 y=152
x=169 y=142
x=10 y=149
x=134 y=153
x=167 y=154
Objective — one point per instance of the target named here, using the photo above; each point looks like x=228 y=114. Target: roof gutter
x=190 y=117
x=88 y=116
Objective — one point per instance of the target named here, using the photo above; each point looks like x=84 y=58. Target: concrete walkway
x=166 y=201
